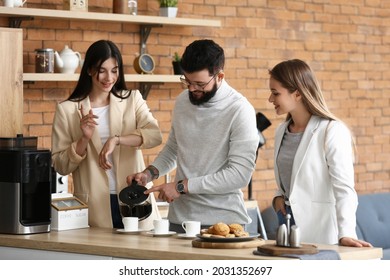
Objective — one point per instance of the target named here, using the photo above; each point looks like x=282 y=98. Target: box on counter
x=68 y=212
x=76 y=5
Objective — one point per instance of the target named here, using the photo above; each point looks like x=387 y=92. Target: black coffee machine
x=25 y=186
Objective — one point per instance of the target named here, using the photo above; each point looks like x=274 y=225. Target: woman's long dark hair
x=96 y=54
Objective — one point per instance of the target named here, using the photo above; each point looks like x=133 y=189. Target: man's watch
x=180 y=187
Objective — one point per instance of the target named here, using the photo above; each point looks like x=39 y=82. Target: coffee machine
x=25 y=186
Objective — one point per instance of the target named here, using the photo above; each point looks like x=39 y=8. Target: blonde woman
x=313 y=160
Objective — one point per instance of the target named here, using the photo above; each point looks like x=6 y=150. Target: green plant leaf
x=168 y=3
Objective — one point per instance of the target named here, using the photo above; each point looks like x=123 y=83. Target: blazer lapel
x=307 y=137
x=278 y=142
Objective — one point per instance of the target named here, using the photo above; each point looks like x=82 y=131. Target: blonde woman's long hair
x=296 y=74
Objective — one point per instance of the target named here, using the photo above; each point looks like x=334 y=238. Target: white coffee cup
x=192 y=228
x=130 y=223
x=161 y=226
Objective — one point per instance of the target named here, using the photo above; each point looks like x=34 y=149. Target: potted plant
x=176 y=64
x=168 y=8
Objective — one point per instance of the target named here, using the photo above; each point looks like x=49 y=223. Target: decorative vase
x=168 y=11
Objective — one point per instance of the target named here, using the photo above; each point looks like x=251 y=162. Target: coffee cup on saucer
x=192 y=228
x=130 y=223
x=161 y=226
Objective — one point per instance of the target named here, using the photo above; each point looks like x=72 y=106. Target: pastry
x=221 y=229
x=239 y=233
x=236 y=227
x=217 y=236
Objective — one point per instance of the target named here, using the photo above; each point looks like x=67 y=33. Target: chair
x=257 y=225
x=270 y=220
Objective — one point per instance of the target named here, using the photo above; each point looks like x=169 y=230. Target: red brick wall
x=348 y=45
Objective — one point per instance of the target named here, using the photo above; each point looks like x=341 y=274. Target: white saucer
x=123 y=231
x=152 y=233
x=185 y=236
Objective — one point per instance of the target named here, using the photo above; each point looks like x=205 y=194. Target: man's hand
x=167 y=191
x=142 y=178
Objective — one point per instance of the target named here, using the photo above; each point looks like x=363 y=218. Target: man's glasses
x=200 y=86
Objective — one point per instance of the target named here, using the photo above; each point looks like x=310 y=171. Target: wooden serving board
x=274 y=250
x=198 y=243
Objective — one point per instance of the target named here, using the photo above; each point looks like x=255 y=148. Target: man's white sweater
x=214 y=146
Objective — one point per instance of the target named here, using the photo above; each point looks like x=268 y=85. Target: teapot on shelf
x=68 y=60
x=14 y=3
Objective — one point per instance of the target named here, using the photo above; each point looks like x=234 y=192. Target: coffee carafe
x=134 y=203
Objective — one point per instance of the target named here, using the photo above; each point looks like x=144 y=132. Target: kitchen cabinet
x=11 y=80
x=17 y=15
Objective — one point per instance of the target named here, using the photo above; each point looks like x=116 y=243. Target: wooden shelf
x=91 y=16
x=17 y=15
x=152 y=78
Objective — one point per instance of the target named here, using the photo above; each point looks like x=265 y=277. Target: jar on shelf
x=133 y=7
x=44 y=61
x=125 y=7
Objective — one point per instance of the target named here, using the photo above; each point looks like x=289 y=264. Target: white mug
x=130 y=223
x=192 y=228
x=161 y=226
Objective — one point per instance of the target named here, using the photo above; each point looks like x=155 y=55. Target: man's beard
x=207 y=95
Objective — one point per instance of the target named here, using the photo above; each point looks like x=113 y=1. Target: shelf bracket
x=144 y=35
x=15 y=22
x=145 y=88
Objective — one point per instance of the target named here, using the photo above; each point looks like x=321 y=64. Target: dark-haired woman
x=99 y=133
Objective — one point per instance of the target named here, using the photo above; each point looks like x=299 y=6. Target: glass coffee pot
x=134 y=203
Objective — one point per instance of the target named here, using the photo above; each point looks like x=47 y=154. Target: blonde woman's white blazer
x=322 y=194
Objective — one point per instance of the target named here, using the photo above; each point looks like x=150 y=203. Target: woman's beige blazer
x=127 y=116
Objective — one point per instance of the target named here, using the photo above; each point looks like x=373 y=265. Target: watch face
x=146 y=63
x=180 y=188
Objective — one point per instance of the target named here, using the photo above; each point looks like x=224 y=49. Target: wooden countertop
x=107 y=242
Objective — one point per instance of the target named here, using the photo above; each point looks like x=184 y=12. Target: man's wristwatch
x=180 y=187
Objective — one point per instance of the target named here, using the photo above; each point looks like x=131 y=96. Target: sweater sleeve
x=166 y=160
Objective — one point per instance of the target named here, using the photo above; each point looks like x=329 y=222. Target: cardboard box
x=68 y=212
x=76 y=5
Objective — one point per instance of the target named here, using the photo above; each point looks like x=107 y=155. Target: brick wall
x=346 y=44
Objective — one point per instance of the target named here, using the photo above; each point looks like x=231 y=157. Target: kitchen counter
x=109 y=243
